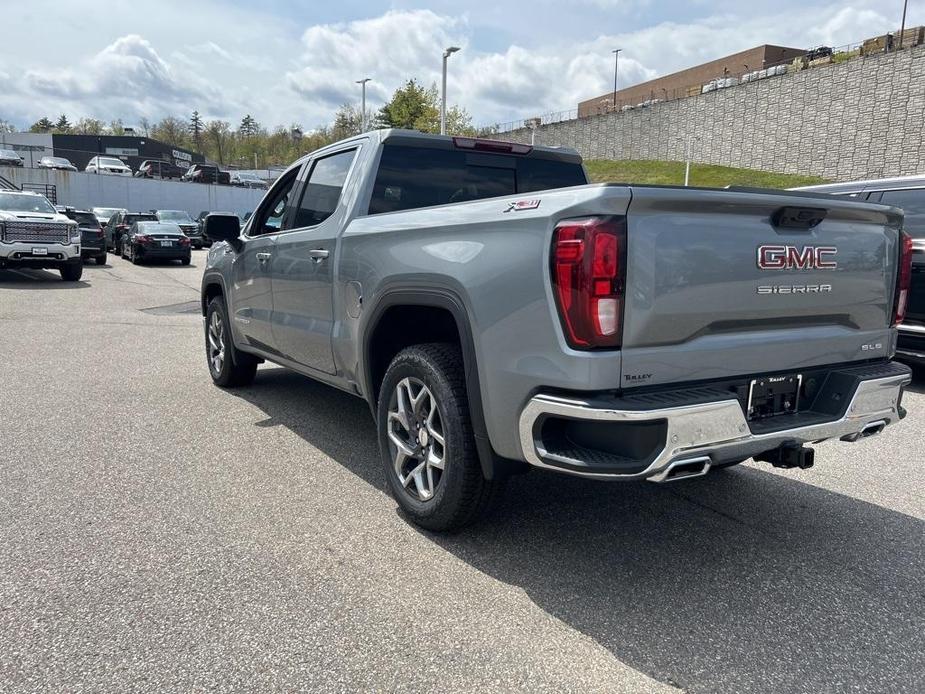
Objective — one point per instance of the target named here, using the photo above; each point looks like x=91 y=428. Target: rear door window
x=414 y=177
x=912 y=202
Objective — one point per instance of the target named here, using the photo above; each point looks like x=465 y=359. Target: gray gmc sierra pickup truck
x=498 y=312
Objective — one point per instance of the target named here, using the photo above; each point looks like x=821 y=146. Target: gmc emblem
x=793 y=258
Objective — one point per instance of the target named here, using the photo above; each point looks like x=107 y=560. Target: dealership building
x=79 y=149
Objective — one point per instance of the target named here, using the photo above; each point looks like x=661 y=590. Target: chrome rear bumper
x=698 y=435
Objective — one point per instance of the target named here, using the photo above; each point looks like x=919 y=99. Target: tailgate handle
x=798 y=217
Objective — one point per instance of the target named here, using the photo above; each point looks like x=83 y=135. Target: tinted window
x=273 y=210
x=413 y=177
x=912 y=202
x=323 y=189
x=85 y=219
x=132 y=218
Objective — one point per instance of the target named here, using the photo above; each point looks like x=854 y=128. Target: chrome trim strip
x=699 y=430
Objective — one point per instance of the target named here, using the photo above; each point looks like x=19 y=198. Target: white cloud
x=511 y=66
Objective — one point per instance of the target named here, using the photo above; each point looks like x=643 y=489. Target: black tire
x=133 y=256
x=461 y=494
x=185 y=261
x=72 y=271
x=101 y=259
x=237 y=368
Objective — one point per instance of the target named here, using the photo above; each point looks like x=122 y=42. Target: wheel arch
x=440 y=299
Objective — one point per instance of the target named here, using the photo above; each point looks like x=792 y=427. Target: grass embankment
x=703 y=175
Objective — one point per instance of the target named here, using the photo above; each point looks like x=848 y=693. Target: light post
x=902 y=27
x=687 y=165
x=362 y=84
x=446 y=54
x=616 y=67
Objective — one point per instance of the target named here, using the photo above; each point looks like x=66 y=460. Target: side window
x=269 y=218
x=323 y=189
x=912 y=202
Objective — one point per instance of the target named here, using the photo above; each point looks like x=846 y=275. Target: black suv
x=206 y=173
x=92 y=236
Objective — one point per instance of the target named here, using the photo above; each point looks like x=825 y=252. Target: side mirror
x=223 y=227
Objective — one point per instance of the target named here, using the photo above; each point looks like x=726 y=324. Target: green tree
x=42 y=125
x=348 y=121
x=218 y=134
x=249 y=126
x=171 y=130
x=195 y=129
x=89 y=126
x=63 y=125
x=411 y=106
x=116 y=127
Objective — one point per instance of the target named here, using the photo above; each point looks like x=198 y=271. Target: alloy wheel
x=216 y=343
x=416 y=439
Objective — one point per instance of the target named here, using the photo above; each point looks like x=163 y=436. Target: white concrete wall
x=83 y=190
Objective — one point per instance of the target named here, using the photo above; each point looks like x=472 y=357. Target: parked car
x=34 y=235
x=155 y=241
x=152 y=168
x=92 y=236
x=206 y=173
x=59 y=163
x=103 y=214
x=109 y=166
x=907 y=193
x=9 y=158
x=187 y=224
x=120 y=223
x=245 y=179
x=496 y=311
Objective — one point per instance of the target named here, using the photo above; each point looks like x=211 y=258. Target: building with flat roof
x=131 y=149
x=688 y=82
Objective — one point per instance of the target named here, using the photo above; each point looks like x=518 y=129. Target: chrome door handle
x=262 y=257
x=318 y=254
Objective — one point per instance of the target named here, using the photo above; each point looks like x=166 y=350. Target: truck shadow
x=741 y=581
x=36 y=279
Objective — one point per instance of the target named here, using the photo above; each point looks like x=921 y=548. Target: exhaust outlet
x=683 y=469
x=870 y=429
x=789 y=456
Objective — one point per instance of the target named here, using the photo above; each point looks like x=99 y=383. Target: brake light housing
x=903 y=278
x=184 y=240
x=588 y=271
x=142 y=238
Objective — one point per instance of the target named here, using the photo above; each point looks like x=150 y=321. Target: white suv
x=109 y=166
x=34 y=235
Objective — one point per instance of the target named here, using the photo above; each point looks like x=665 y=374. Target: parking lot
x=161 y=534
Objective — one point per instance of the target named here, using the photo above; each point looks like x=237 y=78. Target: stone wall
x=863 y=118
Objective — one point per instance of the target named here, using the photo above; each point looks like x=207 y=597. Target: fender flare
x=449 y=300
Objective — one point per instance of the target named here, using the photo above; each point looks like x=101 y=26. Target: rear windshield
x=132 y=218
x=413 y=177
x=107 y=161
x=85 y=219
x=912 y=202
x=173 y=216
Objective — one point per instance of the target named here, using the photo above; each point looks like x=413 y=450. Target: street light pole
x=902 y=27
x=362 y=84
x=446 y=54
x=616 y=67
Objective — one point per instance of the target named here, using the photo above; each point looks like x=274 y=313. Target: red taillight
x=903 y=278
x=184 y=240
x=142 y=238
x=588 y=270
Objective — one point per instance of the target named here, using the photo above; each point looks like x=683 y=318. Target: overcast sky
x=287 y=61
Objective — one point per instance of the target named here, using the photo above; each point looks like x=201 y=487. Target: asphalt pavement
x=160 y=534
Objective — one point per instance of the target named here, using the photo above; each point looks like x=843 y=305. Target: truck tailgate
x=721 y=284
